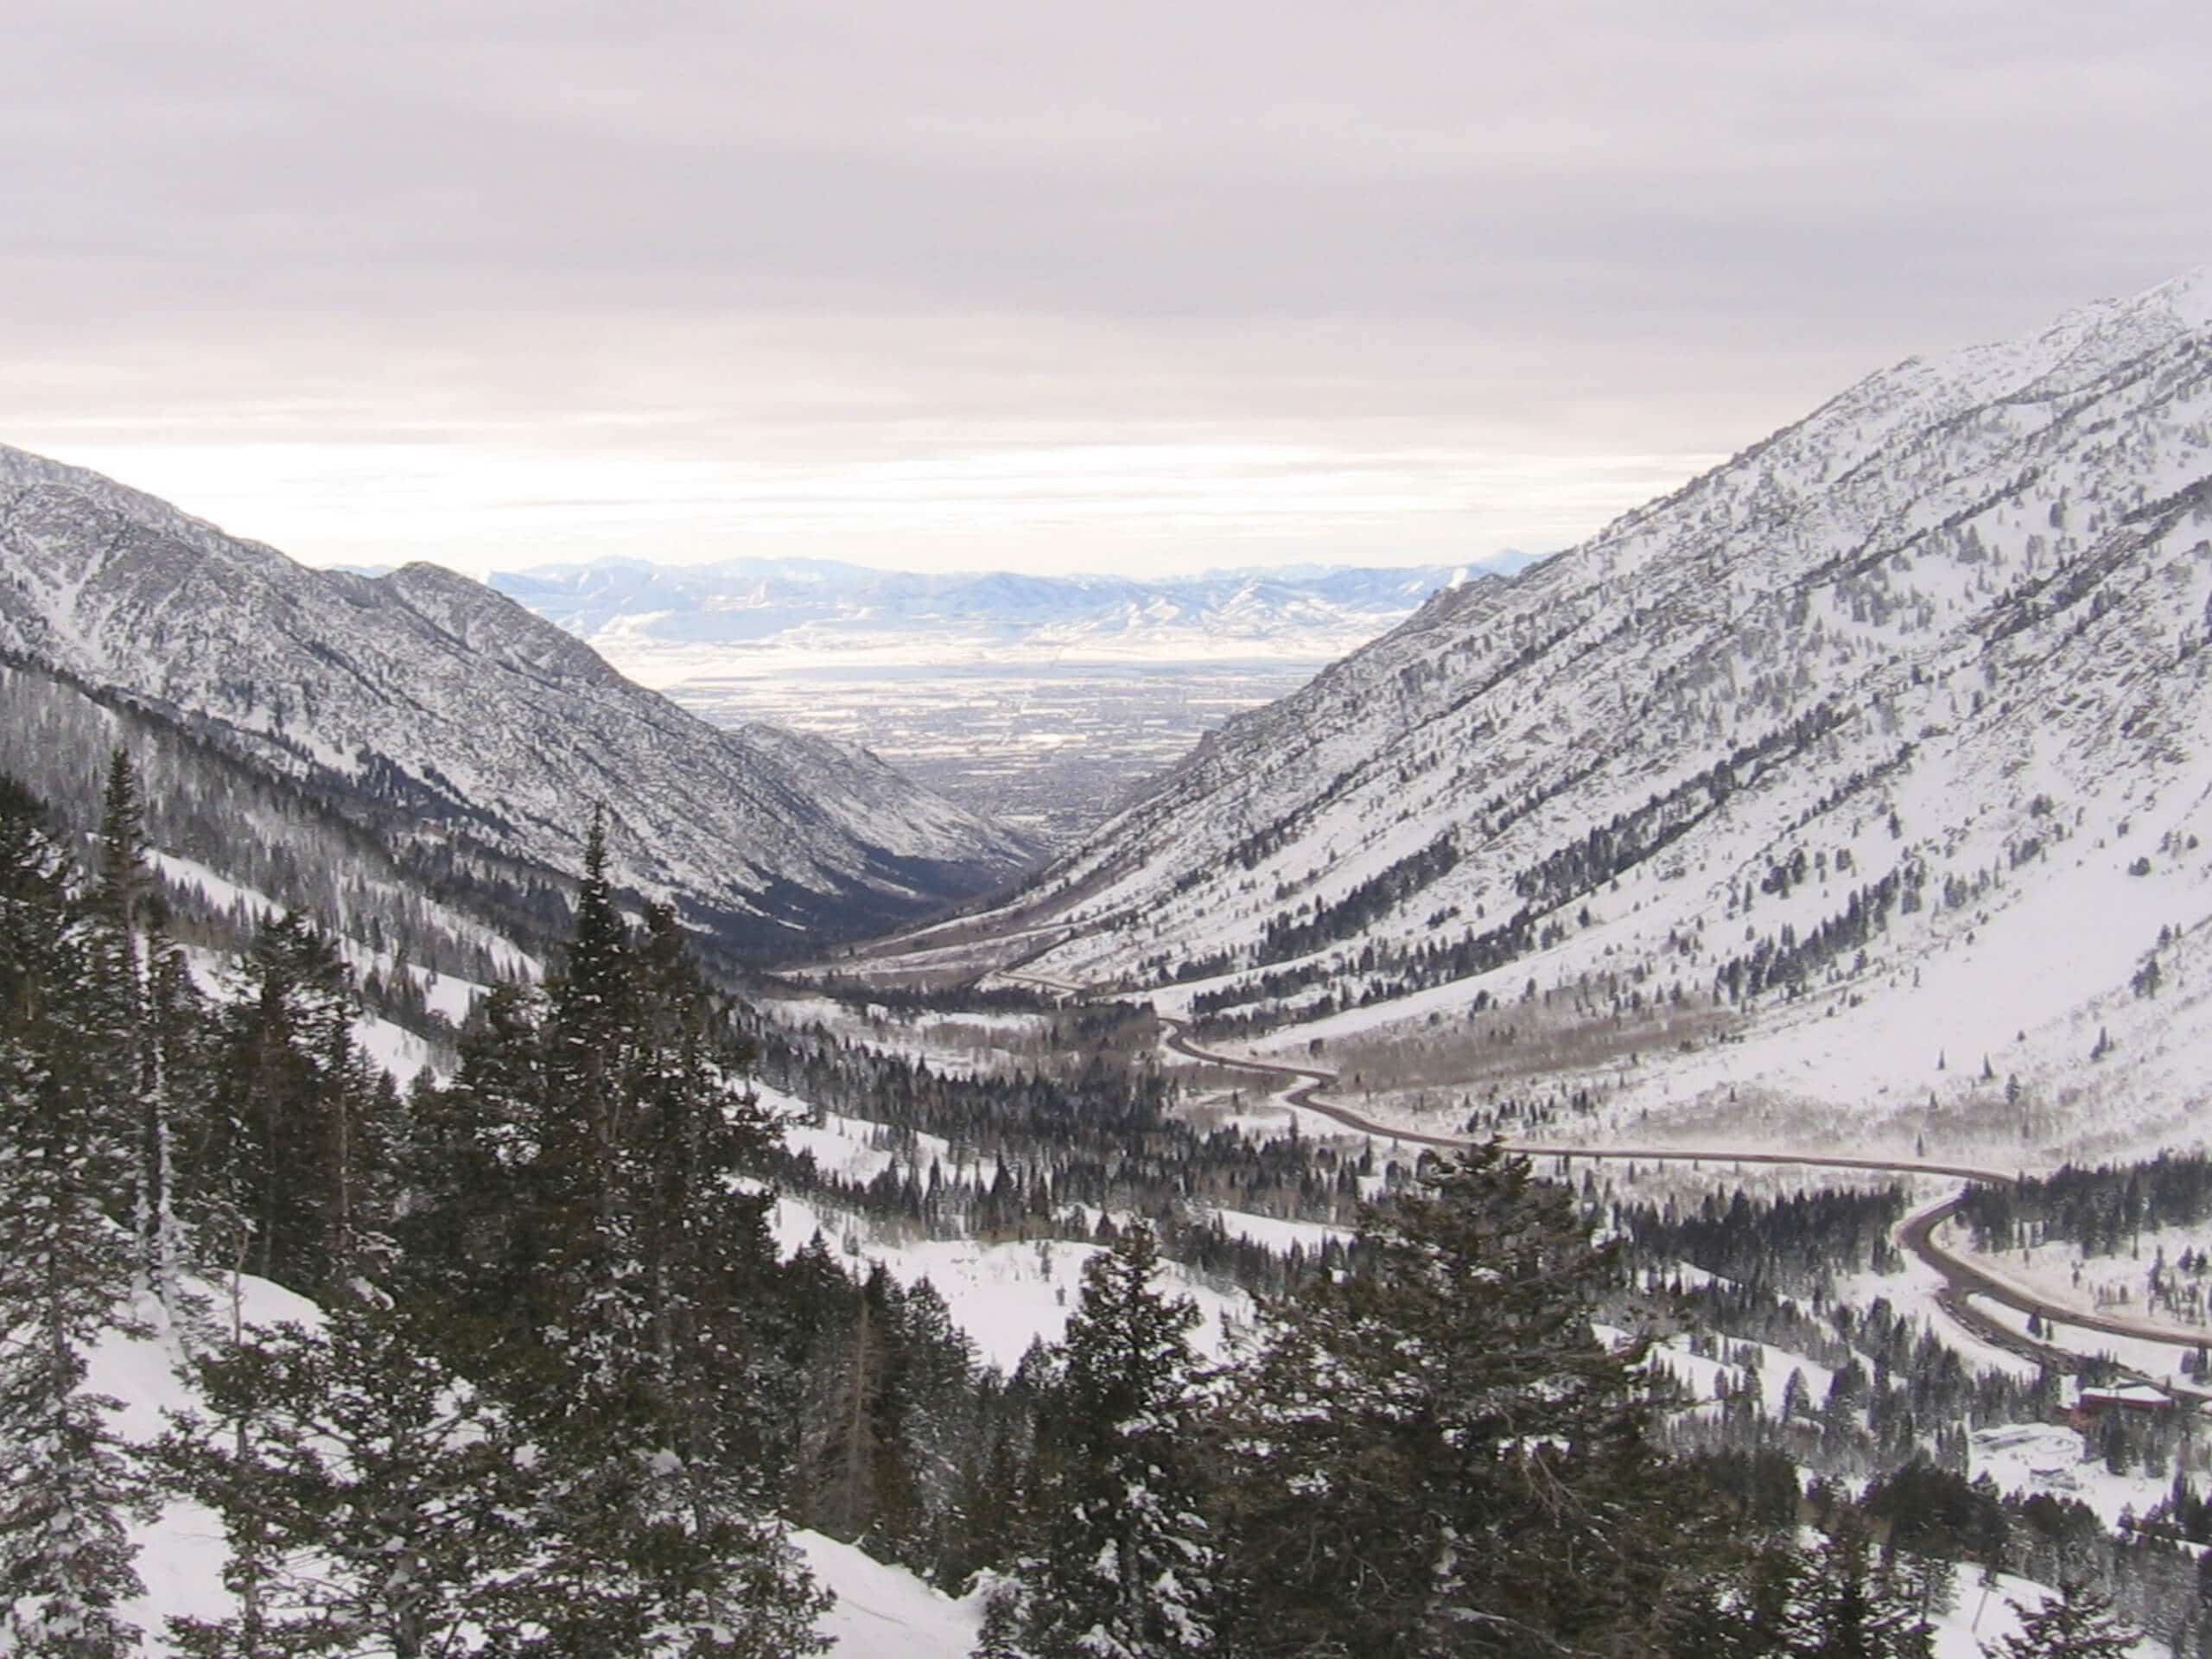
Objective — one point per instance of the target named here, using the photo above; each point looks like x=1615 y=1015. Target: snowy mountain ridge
x=1874 y=751
x=443 y=712
x=665 y=624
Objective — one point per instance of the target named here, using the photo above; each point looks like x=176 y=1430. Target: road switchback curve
x=1916 y=1234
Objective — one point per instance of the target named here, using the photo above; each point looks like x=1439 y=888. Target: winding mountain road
x=1916 y=1234
x=1962 y=1279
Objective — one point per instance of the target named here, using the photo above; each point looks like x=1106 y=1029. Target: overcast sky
x=1161 y=284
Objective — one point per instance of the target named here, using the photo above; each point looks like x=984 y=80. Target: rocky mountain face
x=453 y=721
x=1866 y=778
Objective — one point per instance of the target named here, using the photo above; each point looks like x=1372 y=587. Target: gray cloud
x=792 y=234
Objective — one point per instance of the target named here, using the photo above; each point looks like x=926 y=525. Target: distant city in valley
x=1040 y=700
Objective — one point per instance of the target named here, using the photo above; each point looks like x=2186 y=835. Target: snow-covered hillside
x=1856 y=790
x=450 y=716
x=881 y=1611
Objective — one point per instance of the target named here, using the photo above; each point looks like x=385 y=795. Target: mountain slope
x=452 y=719
x=1913 y=690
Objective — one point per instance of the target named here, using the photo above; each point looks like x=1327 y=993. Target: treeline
x=1376 y=896
x=1043 y=1153
x=2103 y=1210
x=1796 y=1242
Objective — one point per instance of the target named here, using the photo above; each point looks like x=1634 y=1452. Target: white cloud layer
x=972 y=284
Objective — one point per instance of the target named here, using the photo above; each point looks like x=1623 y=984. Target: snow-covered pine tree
x=1006 y=1616
x=1850 y=1602
x=2076 y=1623
x=637 y=1378
x=120 y=907
x=1438 y=1453
x=176 y=1101
x=941 y=1427
x=157 y=1055
x=469 y=1227
x=306 y=1142
x=1751 y=1608
x=585 y=1165
x=366 y=1491
x=989 y=1501
x=1127 y=1567
x=65 y=1271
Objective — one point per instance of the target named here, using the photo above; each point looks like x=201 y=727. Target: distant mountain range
x=1040 y=701
x=665 y=624
x=430 y=708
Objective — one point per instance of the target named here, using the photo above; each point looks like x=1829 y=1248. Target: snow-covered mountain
x=1863 y=781
x=449 y=717
x=662 y=624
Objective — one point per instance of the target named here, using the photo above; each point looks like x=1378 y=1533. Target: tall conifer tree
x=1126 y=1568
x=308 y=1137
x=1437 y=1453
x=65 y=1271
x=652 y=1527
x=2076 y=1623
x=154 y=1055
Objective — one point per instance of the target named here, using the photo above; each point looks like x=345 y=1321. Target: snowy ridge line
x=666 y=622
x=1781 y=785
x=432 y=710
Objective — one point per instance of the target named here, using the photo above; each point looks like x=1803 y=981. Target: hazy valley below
x=1040 y=703
x=1048 y=749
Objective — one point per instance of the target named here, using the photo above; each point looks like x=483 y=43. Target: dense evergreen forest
x=2105 y=1209
x=566 y=1397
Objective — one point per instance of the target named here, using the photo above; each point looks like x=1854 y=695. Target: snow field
x=881 y=1611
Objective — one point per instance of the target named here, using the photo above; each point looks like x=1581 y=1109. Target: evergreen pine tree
x=990 y=1500
x=943 y=1429
x=1007 y=1614
x=820 y=1305
x=121 y=908
x=306 y=1142
x=865 y=1482
x=1437 y=1452
x=1856 y=1607
x=65 y=1564
x=2077 y=1624
x=175 y=1098
x=586 y=1166
x=651 y=1530
x=1752 y=1612
x=367 y=1492
x=1126 y=1567
x=471 y=1231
